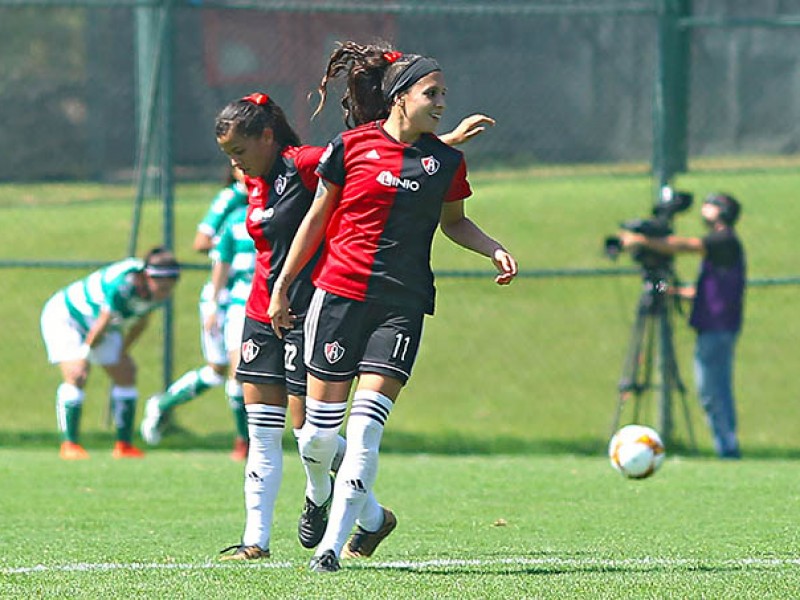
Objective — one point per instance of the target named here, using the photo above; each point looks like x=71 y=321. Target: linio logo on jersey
x=386 y=178
x=259 y=214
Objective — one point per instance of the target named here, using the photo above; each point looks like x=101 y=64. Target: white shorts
x=63 y=337
x=234 y=324
x=213 y=342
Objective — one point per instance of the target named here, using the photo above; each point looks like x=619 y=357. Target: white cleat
x=151 y=423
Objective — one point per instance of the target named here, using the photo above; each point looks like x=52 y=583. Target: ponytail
x=364 y=67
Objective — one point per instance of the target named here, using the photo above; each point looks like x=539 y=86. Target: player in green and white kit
x=95 y=321
x=219 y=329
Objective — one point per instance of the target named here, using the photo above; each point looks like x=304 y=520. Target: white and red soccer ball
x=636 y=451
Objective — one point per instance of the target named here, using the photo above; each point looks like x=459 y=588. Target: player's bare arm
x=202 y=242
x=98 y=329
x=468 y=128
x=135 y=331
x=456 y=226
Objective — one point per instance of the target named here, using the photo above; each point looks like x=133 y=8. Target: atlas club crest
x=430 y=164
x=249 y=350
x=333 y=352
x=280 y=184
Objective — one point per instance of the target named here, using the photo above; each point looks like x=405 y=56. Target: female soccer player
x=215 y=340
x=384 y=187
x=281 y=179
x=85 y=324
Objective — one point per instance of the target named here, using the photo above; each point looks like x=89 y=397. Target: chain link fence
x=575 y=87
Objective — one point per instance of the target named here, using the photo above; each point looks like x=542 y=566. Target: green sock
x=124 y=413
x=188 y=386
x=69 y=405
x=71 y=414
x=239 y=415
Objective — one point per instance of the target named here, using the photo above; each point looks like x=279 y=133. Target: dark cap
x=729 y=207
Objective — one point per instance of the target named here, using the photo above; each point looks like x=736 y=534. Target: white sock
x=359 y=469
x=341 y=447
x=371 y=517
x=317 y=444
x=263 y=471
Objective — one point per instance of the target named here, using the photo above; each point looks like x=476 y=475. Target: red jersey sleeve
x=459 y=187
x=306 y=159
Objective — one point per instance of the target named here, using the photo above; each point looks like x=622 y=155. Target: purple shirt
x=720 y=286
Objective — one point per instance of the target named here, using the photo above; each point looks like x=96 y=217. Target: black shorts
x=346 y=337
x=265 y=358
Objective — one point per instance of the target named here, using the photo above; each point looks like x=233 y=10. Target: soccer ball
x=636 y=451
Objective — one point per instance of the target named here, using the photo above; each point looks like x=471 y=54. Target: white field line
x=574 y=563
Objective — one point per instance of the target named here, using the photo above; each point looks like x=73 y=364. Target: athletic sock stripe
x=262 y=415
x=328 y=414
x=325 y=421
x=371 y=405
x=277 y=422
x=372 y=410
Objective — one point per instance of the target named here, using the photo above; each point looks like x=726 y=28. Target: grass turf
x=469 y=526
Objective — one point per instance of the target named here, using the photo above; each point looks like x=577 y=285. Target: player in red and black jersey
x=255 y=134
x=281 y=179
x=384 y=188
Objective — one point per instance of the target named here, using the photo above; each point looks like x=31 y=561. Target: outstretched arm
x=456 y=226
x=671 y=244
x=469 y=127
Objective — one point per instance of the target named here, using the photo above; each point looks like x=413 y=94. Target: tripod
x=652 y=336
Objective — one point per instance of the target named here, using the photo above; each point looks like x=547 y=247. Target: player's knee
x=125 y=373
x=316 y=443
x=220 y=370
x=80 y=378
x=210 y=376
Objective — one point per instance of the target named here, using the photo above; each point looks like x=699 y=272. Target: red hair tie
x=392 y=57
x=257 y=98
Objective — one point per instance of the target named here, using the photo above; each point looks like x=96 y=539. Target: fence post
x=670 y=104
x=167 y=171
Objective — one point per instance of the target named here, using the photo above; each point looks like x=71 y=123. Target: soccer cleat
x=126 y=450
x=242 y=552
x=240 y=448
x=312 y=523
x=325 y=563
x=72 y=451
x=151 y=423
x=363 y=543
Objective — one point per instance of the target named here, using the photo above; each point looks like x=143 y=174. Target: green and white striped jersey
x=236 y=248
x=111 y=288
x=223 y=204
x=226 y=202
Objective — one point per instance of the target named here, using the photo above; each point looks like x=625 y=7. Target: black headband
x=415 y=70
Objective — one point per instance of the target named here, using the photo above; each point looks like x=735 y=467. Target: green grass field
x=506 y=417
x=469 y=527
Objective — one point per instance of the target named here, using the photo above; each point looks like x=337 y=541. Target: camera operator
x=718 y=298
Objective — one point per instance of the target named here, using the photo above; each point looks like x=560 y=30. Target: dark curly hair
x=250 y=119
x=367 y=67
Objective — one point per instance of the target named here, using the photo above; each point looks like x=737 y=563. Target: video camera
x=670 y=203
